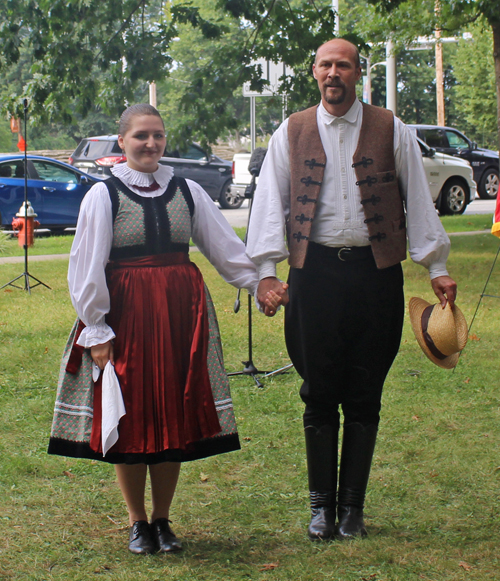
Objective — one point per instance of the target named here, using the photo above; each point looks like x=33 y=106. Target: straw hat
x=441 y=333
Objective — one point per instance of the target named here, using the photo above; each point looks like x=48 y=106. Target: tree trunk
x=496 y=54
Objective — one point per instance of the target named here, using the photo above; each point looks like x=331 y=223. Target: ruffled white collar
x=132 y=177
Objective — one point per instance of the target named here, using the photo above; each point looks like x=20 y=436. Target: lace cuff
x=95 y=335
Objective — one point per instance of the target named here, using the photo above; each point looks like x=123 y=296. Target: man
x=346 y=182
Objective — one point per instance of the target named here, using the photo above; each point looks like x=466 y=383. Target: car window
x=96 y=148
x=194 y=152
x=79 y=148
x=435 y=137
x=54 y=173
x=457 y=140
x=12 y=169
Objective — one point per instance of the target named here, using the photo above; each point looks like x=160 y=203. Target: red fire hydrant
x=25 y=228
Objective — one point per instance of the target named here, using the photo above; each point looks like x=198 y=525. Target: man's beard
x=330 y=98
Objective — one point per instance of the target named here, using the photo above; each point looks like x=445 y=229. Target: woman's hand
x=271 y=294
x=102 y=353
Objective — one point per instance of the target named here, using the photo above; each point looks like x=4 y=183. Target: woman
x=143 y=307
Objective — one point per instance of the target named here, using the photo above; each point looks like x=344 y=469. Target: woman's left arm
x=215 y=238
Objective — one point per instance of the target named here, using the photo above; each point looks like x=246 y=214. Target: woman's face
x=144 y=143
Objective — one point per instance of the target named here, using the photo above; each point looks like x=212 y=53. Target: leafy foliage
x=474 y=69
x=79 y=62
x=456 y=14
x=276 y=31
x=69 y=41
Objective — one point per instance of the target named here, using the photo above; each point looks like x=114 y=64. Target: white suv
x=450 y=180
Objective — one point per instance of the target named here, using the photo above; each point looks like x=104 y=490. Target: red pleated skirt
x=159 y=315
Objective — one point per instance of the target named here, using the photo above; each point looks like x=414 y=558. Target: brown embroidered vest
x=374 y=165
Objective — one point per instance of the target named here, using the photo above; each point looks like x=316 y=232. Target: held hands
x=102 y=353
x=272 y=293
x=445 y=288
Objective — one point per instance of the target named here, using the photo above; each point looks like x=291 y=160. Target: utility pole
x=439 y=68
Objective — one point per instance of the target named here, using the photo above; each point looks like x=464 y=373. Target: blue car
x=55 y=190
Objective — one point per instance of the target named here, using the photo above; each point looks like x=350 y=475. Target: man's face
x=337 y=74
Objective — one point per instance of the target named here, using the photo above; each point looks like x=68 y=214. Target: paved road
x=479 y=206
x=237 y=218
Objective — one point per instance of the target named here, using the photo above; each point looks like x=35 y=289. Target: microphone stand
x=25 y=275
x=249 y=367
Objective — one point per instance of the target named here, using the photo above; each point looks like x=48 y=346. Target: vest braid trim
x=307 y=168
x=374 y=164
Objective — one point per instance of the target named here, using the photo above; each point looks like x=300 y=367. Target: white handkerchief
x=113 y=407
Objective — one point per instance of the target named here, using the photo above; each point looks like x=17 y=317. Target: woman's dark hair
x=133 y=111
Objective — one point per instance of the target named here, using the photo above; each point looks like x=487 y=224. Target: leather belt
x=347 y=253
x=342 y=253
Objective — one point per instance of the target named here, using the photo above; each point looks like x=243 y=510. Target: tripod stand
x=25 y=275
x=249 y=367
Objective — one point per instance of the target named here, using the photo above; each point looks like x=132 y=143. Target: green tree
x=68 y=40
x=8 y=139
x=474 y=68
x=455 y=15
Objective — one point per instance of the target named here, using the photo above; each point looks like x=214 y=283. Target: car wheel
x=227 y=200
x=488 y=187
x=454 y=197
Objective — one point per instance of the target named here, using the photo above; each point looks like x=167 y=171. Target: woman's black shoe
x=165 y=539
x=141 y=541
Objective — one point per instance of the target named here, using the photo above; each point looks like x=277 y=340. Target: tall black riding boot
x=357 y=451
x=321 y=448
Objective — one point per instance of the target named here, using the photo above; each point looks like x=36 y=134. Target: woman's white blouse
x=94 y=236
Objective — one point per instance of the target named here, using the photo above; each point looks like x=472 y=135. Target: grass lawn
x=432 y=509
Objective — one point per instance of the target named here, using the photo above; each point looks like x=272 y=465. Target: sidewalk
x=16 y=259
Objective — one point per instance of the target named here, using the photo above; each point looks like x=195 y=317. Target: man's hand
x=445 y=288
x=102 y=353
x=271 y=293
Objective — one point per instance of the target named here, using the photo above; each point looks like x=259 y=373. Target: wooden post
x=441 y=120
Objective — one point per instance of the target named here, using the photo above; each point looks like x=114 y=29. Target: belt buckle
x=347 y=249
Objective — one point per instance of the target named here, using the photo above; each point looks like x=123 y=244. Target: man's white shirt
x=339 y=218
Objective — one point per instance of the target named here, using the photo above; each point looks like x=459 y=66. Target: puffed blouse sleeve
x=215 y=238
x=87 y=263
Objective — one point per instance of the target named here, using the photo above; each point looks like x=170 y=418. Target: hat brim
x=416 y=307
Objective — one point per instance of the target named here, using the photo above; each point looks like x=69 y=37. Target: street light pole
x=367 y=86
x=336 y=26
x=390 y=77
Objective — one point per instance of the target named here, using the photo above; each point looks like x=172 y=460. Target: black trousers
x=343 y=328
